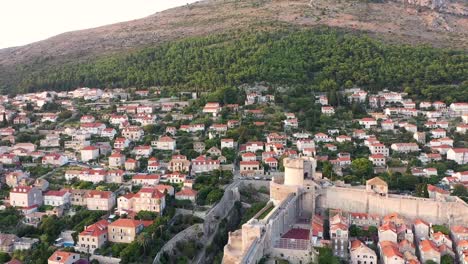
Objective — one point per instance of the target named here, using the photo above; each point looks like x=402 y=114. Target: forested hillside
x=322 y=58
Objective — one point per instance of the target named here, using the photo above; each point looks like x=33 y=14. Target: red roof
x=146 y=177
x=96 y=229
x=90 y=148
x=122 y=222
x=153 y=191
x=55 y=193
x=187 y=192
x=297 y=233
x=100 y=194
x=253 y=162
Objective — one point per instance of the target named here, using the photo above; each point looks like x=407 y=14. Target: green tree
x=441 y=228
x=327 y=169
x=144 y=240
x=446 y=259
x=4 y=257
x=460 y=190
x=362 y=167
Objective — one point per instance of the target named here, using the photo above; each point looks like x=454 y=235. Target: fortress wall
x=358 y=200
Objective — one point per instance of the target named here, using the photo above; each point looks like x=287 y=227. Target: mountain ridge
x=389 y=21
x=193 y=19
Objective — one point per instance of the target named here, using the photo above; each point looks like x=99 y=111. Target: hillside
x=390 y=21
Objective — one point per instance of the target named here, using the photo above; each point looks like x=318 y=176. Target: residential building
x=405 y=147
x=379 y=148
x=131 y=164
x=360 y=253
x=153 y=165
x=57 y=198
x=389 y=253
x=186 y=194
x=164 y=143
x=121 y=143
x=421 y=229
x=204 y=164
x=100 y=200
x=388 y=232
x=142 y=151
x=89 y=153
x=63 y=257
x=116 y=160
x=179 y=163
x=377 y=160
x=7 y=242
x=132 y=133
x=328 y=110
x=368 y=122
x=212 y=108
x=459 y=155
x=227 y=143
x=126 y=230
x=13 y=179
x=250 y=168
x=145 y=179
x=146 y=199
x=54 y=159
x=428 y=250
x=26 y=196
x=93 y=237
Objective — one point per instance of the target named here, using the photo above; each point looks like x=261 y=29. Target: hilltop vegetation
x=323 y=59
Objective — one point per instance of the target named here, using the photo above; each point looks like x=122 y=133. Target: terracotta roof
x=420 y=221
x=155 y=193
x=55 y=193
x=187 y=192
x=391 y=251
x=96 y=229
x=62 y=256
x=121 y=222
x=297 y=233
x=376 y=181
x=99 y=194
x=427 y=245
x=389 y=226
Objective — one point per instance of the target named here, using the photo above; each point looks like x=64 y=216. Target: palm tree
x=143 y=240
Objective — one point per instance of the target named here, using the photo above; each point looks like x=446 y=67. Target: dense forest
x=323 y=59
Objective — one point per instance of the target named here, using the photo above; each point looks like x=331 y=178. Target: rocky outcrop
x=433 y=4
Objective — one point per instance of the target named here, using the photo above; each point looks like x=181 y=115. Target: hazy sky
x=26 y=21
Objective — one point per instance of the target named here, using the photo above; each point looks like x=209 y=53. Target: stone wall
x=105 y=260
x=358 y=200
x=221 y=209
x=191 y=232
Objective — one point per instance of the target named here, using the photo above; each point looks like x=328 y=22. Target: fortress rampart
x=359 y=200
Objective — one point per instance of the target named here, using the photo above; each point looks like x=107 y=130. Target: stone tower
x=298 y=169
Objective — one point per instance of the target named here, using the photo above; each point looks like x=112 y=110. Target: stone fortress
x=283 y=228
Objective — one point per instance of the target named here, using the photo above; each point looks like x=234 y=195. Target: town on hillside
x=251 y=174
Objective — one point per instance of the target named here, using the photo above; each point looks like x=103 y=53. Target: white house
x=212 y=108
x=89 y=153
x=459 y=108
x=164 y=143
x=377 y=160
x=379 y=148
x=54 y=159
x=459 y=155
x=368 y=122
x=405 y=147
x=57 y=198
x=227 y=143
x=328 y=110
x=203 y=164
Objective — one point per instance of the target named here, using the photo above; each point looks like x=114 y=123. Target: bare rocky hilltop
x=440 y=23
